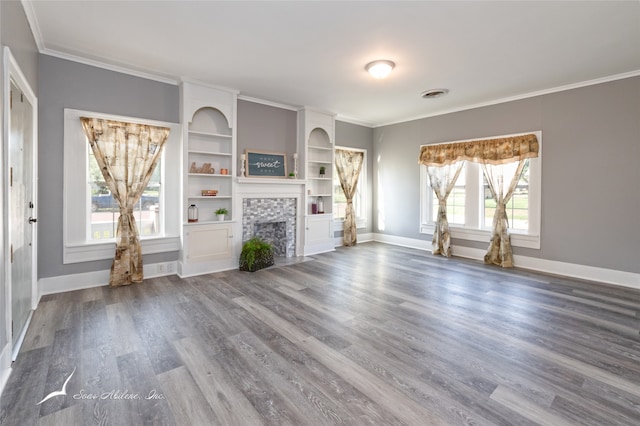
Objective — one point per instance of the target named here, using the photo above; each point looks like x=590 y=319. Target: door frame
x=11 y=71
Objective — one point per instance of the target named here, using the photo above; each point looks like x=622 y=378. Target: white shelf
x=206 y=222
x=320 y=161
x=321 y=195
x=208 y=197
x=320 y=178
x=209 y=134
x=271 y=181
x=322 y=148
x=216 y=175
x=220 y=154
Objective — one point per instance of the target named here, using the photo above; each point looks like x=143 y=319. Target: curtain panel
x=127 y=154
x=502 y=181
x=348 y=166
x=502 y=161
x=442 y=180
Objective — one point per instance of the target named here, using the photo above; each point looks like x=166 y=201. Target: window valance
x=486 y=151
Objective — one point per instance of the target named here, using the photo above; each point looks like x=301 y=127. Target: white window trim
x=361 y=222
x=75 y=206
x=473 y=230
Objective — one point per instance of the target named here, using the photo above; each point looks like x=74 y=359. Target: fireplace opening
x=275 y=233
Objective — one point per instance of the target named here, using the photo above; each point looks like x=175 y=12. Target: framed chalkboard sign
x=266 y=164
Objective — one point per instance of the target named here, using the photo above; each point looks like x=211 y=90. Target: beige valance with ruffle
x=487 y=151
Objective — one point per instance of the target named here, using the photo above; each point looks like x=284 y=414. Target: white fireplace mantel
x=274 y=188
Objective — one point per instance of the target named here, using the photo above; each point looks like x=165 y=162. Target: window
x=90 y=211
x=340 y=201
x=104 y=208
x=470 y=206
x=455 y=202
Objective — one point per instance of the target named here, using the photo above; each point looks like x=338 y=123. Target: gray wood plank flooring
x=372 y=335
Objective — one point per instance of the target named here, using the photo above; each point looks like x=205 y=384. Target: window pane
x=340 y=201
x=517 y=207
x=104 y=210
x=455 y=201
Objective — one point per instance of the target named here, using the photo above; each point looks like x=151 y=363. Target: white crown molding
x=32 y=18
x=572 y=86
x=209 y=85
x=267 y=103
x=355 y=121
x=110 y=67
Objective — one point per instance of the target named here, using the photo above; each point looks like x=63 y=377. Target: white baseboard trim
x=60 y=284
x=5 y=366
x=573 y=270
x=403 y=241
x=362 y=238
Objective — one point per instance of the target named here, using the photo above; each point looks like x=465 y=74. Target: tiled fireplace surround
x=272 y=211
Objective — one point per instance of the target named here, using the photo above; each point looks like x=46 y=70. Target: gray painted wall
x=66 y=84
x=355 y=136
x=16 y=33
x=267 y=128
x=590 y=173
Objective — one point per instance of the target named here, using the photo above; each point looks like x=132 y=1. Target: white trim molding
x=63 y=283
x=5 y=366
x=572 y=270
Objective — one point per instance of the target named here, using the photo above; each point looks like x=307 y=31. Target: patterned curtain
x=502 y=180
x=442 y=180
x=349 y=165
x=127 y=154
x=502 y=162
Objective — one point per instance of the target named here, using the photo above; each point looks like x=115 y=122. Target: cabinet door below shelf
x=208 y=242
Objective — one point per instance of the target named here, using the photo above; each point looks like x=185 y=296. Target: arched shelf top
x=319 y=138
x=210 y=120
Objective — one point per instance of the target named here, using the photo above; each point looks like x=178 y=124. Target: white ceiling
x=313 y=53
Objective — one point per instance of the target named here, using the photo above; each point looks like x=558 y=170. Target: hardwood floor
x=374 y=334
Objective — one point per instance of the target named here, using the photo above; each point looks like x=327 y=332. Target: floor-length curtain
x=127 y=154
x=349 y=165
x=502 y=180
x=442 y=180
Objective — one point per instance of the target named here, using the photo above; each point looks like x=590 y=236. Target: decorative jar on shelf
x=192 y=213
x=320 y=205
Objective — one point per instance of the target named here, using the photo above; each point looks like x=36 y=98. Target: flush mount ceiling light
x=434 y=93
x=380 y=69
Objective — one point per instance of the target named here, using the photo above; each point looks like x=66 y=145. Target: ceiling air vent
x=434 y=93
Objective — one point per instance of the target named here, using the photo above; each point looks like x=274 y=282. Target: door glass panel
x=20 y=161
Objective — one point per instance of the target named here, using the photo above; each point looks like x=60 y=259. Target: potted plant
x=292 y=175
x=322 y=170
x=221 y=212
x=256 y=254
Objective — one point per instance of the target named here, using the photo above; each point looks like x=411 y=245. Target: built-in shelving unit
x=208 y=117
x=317 y=137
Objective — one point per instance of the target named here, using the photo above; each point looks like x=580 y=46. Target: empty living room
x=312 y=212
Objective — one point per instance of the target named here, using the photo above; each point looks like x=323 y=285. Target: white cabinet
x=317 y=137
x=209 y=145
x=208 y=243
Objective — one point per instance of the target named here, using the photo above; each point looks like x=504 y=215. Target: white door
x=21 y=208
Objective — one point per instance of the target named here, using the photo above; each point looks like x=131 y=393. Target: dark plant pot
x=263 y=259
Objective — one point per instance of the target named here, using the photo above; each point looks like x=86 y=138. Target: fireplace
x=273 y=220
